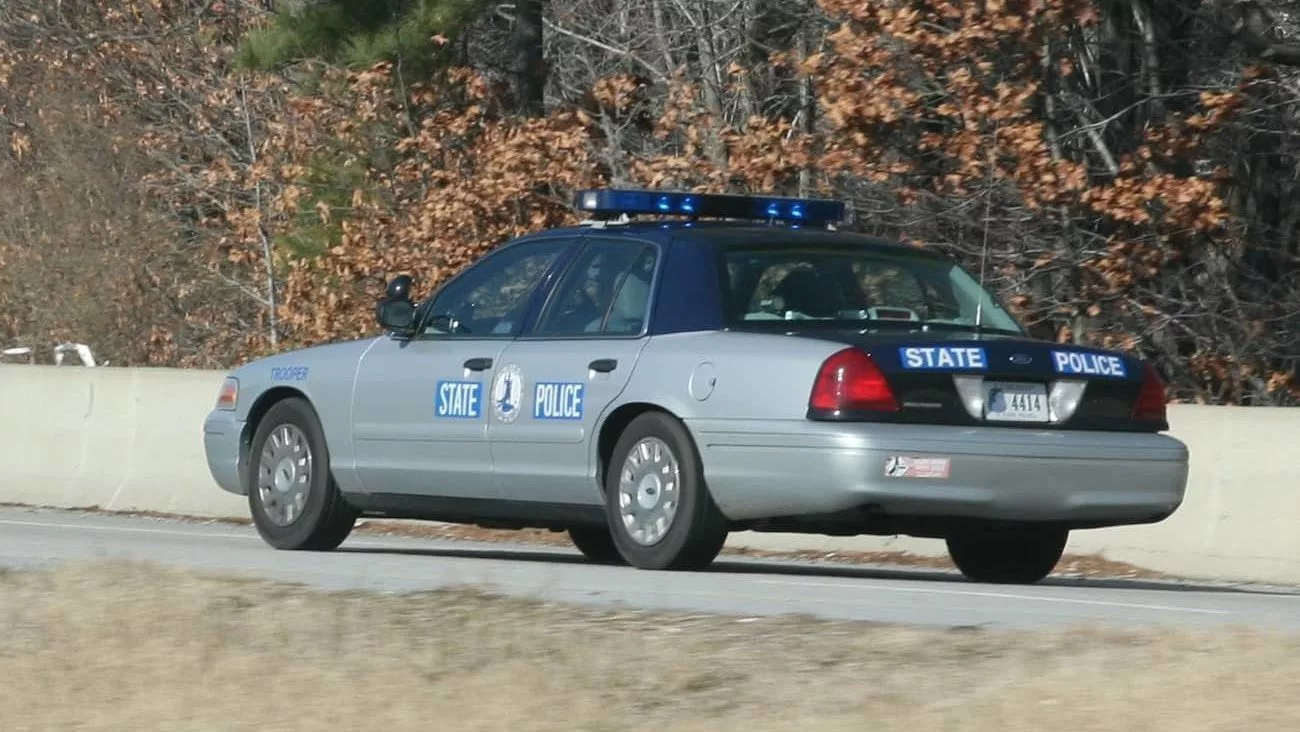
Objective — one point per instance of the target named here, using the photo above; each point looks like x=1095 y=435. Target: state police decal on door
x=507 y=393
x=458 y=399
x=558 y=400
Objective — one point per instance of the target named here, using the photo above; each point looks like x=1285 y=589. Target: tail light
x=1150 y=405
x=849 y=381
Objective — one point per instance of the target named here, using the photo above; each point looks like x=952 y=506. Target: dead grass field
x=131 y=647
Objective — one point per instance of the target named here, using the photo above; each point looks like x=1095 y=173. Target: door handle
x=603 y=365
x=478 y=364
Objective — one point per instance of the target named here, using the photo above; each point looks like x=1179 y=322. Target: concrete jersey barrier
x=118 y=438
x=129 y=439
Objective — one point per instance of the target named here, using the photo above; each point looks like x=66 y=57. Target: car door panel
x=567 y=370
x=542 y=454
x=419 y=419
x=421 y=405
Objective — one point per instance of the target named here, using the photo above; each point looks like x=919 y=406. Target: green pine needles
x=360 y=33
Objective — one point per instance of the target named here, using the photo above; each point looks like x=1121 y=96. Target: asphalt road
x=37 y=538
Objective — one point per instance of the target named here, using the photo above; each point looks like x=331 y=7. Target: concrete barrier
x=131 y=440
x=120 y=439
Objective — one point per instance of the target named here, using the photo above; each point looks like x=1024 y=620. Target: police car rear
x=925 y=343
x=929 y=411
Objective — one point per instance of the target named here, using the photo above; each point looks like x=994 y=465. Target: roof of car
x=727 y=232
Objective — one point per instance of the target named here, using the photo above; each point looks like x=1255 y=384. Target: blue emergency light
x=608 y=203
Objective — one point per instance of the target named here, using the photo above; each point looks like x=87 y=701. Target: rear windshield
x=853 y=285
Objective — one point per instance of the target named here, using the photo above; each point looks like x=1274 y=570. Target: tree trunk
x=530 y=63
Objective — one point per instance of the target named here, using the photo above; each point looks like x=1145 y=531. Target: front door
x=555 y=382
x=419 y=419
x=420 y=406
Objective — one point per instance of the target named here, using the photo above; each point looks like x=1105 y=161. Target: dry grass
x=120 y=647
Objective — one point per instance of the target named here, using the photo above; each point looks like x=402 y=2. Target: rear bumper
x=790 y=469
x=222 y=446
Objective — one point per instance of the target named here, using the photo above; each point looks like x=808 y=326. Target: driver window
x=489 y=300
x=606 y=291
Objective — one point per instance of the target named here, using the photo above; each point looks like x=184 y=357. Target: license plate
x=1010 y=402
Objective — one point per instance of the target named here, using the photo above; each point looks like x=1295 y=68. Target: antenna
x=984 y=255
x=984 y=246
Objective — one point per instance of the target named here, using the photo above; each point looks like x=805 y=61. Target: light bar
x=613 y=202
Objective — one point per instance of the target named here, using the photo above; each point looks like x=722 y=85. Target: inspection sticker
x=906 y=466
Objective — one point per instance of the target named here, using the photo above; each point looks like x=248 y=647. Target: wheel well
x=268 y=399
x=618 y=421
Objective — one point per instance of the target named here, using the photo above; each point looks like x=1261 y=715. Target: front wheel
x=660 y=513
x=1023 y=557
x=291 y=494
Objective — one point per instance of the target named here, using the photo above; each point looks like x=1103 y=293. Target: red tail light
x=849 y=381
x=1150 y=405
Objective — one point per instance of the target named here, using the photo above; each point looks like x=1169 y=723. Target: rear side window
x=855 y=285
x=606 y=291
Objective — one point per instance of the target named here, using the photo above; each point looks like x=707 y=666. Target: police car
x=728 y=363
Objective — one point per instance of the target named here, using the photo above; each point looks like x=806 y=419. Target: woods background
x=197 y=182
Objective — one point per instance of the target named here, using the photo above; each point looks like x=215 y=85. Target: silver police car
x=732 y=363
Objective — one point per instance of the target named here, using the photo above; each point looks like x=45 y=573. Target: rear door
x=555 y=381
x=421 y=406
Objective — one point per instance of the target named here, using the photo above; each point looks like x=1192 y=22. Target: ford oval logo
x=1020 y=359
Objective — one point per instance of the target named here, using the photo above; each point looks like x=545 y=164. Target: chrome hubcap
x=284 y=474
x=649 y=490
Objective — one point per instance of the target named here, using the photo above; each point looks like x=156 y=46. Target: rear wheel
x=292 y=496
x=596 y=544
x=1022 y=557
x=660 y=513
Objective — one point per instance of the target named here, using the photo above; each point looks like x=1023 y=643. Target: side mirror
x=396 y=312
x=399 y=288
x=397 y=316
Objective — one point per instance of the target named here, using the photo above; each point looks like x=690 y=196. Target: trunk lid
x=1004 y=381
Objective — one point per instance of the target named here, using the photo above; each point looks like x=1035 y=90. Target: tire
x=320 y=519
x=696 y=529
x=596 y=544
x=1023 y=557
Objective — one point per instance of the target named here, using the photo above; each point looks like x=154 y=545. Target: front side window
x=489 y=300
x=606 y=291
x=858 y=286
